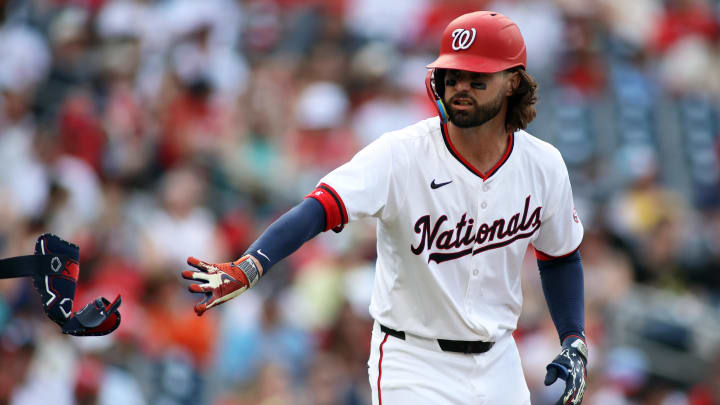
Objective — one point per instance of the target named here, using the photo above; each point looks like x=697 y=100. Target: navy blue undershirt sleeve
x=562 y=284
x=284 y=236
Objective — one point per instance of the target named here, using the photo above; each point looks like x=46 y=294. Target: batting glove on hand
x=221 y=282
x=569 y=365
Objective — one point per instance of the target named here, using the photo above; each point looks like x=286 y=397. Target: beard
x=476 y=116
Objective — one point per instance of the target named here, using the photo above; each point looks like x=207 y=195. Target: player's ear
x=513 y=78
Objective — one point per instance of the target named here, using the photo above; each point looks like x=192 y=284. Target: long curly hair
x=520 y=108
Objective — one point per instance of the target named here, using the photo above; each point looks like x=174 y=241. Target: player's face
x=472 y=99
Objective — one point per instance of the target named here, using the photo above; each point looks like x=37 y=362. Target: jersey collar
x=458 y=156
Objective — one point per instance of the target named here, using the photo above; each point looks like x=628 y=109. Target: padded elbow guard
x=54 y=269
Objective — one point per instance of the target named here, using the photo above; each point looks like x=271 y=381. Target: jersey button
x=483 y=205
x=486 y=187
x=476 y=272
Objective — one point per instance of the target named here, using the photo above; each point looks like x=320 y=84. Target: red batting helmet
x=481 y=42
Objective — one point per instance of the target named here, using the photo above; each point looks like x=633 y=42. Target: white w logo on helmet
x=462 y=38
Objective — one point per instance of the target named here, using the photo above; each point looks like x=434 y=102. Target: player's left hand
x=570 y=365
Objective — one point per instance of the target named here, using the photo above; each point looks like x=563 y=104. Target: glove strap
x=26 y=266
x=578 y=344
x=250 y=269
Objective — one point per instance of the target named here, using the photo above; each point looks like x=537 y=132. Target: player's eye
x=450 y=82
x=478 y=85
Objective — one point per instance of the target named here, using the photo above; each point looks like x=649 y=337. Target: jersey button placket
x=475 y=278
x=475 y=286
x=485 y=188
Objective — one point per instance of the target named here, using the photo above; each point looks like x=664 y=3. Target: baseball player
x=458 y=200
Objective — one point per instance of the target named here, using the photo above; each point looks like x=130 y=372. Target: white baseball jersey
x=450 y=239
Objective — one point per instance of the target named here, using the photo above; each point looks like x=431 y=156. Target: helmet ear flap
x=439 y=83
x=435 y=84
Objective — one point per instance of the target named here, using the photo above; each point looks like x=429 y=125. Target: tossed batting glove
x=570 y=365
x=221 y=282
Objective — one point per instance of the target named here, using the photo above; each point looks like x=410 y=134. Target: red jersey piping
x=464 y=162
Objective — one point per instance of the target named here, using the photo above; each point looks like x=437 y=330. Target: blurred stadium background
x=146 y=131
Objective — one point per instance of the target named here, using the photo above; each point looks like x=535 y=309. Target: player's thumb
x=552 y=374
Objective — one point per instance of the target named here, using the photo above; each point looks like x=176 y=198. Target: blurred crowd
x=146 y=131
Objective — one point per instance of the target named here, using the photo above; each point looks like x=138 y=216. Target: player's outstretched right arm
x=220 y=282
x=365 y=181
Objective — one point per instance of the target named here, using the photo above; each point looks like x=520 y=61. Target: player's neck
x=483 y=146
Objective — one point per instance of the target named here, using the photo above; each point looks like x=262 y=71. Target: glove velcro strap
x=30 y=266
x=574 y=342
x=251 y=271
x=97 y=318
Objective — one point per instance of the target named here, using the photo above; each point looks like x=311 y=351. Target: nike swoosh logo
x=434 y=185
x=263 y=254
x=226 y=278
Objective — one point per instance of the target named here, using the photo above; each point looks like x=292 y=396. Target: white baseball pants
x=415 y=371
